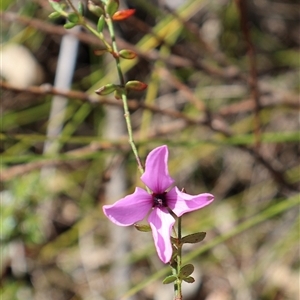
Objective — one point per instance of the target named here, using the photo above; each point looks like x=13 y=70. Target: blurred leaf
x=189 y=279
x=70 y=25
x=101 y=23
x=142 y=227
x=112 y=6
x=193 y=238
x=169 y=279
x=73 y=18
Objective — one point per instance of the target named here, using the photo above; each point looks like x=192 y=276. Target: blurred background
x=223 y=94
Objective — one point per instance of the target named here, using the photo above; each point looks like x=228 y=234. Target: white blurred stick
x=63 y=78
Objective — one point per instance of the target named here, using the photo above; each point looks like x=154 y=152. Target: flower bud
x=142 y=227
x=112 y=6
x=106 y=89
x=128 y=54
x=136 y=85
x=95 y=9
x=123 y=14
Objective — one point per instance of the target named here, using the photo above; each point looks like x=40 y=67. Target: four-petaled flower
x=164 y=197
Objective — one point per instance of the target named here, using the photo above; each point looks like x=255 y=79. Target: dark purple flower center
x=159 y=200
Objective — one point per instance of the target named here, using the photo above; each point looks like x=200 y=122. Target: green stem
x=97 y=34
x=129 y=129
x=115 y=49
x=124 y=93
x=82 y=22
x=178 y=291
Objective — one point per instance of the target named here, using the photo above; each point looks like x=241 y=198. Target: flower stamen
x=159 y=200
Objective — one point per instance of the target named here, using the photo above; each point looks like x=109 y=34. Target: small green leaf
x=95 y=9
x=106 y=89
x=80 y=8
x=112 y=6
x=169 y=279
x=189 y=279
x=73 y=17
x=193 y=238
x=186 y=271
x=54 y=15
x=140 y=227
x=69 y=25
x=101 y=23
x=57 y=6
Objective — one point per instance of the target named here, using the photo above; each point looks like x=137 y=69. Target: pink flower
x=135 y=207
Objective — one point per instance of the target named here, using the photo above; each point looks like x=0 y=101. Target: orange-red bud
x=136 y=85
x=123 y=14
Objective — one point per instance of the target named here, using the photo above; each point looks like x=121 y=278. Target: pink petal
x=161 y=223
x=181 y=203
x=156 y=175
x=129 y=210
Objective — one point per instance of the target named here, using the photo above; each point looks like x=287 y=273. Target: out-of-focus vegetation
x=230 y=132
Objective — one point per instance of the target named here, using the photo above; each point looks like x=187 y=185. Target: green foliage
x=70 y=25
x=106 y=89
x=18 y=211
x=112 y=6
x=80 y=8
x=5 y=4
x=73 y=18
x=194 y=238
x=101 y=23
x=186 y=271
x=54 y=15
x=169 y=279
x=189 y=279
x=58 y=7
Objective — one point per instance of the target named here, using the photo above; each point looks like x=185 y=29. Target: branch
x=47 y=89
x=252 y=81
